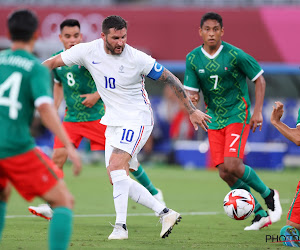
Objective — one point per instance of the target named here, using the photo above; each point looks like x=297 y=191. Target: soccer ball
x=239 y=204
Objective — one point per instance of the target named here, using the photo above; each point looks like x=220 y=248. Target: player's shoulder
x=92 y=45
x=131 y=51
x=138 y=56
x=87 y=47
x=194 y=52
x=229 y=47
x=36 y=63
x=5 y=52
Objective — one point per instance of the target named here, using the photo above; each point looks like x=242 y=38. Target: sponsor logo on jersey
x=232 y=150
x=226 y=68
x=93 y=62
x=201 y=70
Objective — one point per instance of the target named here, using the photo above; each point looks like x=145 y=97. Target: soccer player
x=219 y=70
x=292 y=228
x=24 y=86
x=84 y=109
x=118 y=70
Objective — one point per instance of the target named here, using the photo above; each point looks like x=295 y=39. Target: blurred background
x=167 y=30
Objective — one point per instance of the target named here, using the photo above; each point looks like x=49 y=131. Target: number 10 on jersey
x=110 y=82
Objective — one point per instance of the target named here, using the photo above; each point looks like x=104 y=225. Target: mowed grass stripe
x=113 y=215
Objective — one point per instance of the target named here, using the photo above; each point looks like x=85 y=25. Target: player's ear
x=60 y=37
x=8 y=35
x=222 y=31
x=36 y=35
x=200 y=31
x=81 y=37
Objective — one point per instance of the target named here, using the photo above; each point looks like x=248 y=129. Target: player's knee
x=113 y=166
x=117 y=165
x=232 y=166
x=66 y=199
x=224 y=175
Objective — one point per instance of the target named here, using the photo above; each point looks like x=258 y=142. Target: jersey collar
x=214 y=55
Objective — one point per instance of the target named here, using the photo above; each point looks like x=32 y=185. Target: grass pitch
x=197 y=194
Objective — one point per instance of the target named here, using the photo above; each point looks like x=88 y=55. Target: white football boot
x=43 y=210
x=274 y=207
x=159 y=196
x=168 y=220
x=120 y=232
x=259 y=222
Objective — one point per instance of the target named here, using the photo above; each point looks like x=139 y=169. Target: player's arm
x=58 y=94
x=257 y=117
x=51 y=120
x=197 y=117
x=90 y=99
x=54 y=62
x=293 y=134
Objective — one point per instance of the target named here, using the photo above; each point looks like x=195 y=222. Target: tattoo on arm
x=174 y=82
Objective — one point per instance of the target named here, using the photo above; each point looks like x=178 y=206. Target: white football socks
x=141 y=195
x=121 y=183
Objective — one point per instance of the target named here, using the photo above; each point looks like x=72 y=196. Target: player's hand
x=75 y=158
x=256 y=121
x=90 y=99
x=277 y=112
x=201 y=119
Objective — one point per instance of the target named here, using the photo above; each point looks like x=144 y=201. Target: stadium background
x=168 y=30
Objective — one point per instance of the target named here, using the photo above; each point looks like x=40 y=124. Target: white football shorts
x=129 y=138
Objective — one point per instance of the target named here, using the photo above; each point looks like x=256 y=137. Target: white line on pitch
x=113 y=215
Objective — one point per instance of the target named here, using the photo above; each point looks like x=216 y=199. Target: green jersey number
x=216 y=80
x=13 y=82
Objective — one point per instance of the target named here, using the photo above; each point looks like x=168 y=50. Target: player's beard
x=112 y=49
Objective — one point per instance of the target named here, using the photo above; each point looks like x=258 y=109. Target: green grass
x=184 y=190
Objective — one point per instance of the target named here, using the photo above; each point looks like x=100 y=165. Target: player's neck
x=19 y=45
x=212 y=49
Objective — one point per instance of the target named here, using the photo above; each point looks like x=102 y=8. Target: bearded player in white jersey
x=119 y=72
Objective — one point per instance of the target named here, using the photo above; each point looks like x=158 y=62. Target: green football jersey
x=24 y=83
x=77 y=80
x=222 y=80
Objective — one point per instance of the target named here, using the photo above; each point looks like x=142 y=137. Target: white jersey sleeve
x=145 y=61
x=74 y=55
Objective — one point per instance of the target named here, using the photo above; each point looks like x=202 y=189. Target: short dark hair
x=22 y=24
x=115 y=22
x=69 y=23
x=211 y=16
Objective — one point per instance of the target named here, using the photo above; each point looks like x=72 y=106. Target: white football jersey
x=120 y=81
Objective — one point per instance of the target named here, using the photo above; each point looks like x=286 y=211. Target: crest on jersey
x=121 y=69
x=201 y=70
